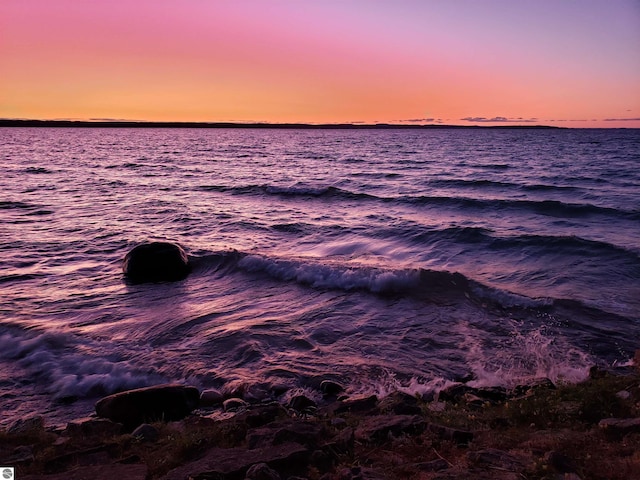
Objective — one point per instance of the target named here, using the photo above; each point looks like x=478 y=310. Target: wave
x=425 y=285
x=9 y=205
x=553 y=208
x=37 y=170
x=58 y=360
x=297 y=190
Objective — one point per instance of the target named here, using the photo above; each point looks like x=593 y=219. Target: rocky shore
x=539 y=431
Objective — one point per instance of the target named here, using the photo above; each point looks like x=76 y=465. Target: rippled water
x=382 y=258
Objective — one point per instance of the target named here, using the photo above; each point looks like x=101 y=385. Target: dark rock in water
x=156 y=262
x=161 y=402
x=233 y=404
x=330 y=388
x=301 y=403
x=211 y=398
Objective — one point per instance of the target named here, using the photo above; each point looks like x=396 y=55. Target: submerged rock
x=329 y=388
x=156 y=262
x=161 y=402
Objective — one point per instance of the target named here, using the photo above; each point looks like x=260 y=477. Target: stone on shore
x=24 y=426
x=92 y=427
x=97 y=472
x=379 y=428
x=620 y=426
x=156 y=262
x=161 y=402
x=235 y=462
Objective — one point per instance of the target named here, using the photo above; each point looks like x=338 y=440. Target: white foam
x=329 y=276
x=53 y=362
x=527 y=356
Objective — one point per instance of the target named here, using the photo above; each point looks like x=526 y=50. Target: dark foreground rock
x=143 y=405
x=233 y=463
x=115 y=471
x=156 y=262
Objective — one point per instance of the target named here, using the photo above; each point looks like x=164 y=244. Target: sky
x=572 y=63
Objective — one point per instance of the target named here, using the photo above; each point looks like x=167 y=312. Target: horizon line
x=114 y=123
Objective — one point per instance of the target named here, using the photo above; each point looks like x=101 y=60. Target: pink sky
x=554 y=62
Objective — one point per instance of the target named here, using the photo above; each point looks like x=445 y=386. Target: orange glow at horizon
x=300 y=61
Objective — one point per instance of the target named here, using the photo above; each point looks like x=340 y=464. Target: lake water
x=384 y=259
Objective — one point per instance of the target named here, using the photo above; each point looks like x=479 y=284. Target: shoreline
x=259 y=125
x=588 y=430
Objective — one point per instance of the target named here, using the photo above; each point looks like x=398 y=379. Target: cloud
x=622 y=119
x=500 y=119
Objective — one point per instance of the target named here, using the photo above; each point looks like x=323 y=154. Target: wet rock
x=234 y=404
x=291 y=458
x=401 y=404
x=623 y=395
x=360 y=473
x=620 y=426
x=461 y=437
x=262 y=471
x=25 y=426
x=378 y=428
x=301 y=403
x=92 y=427
x=529 y=388
x=560 y=462
x=97 y=472
x=454 y=393
x=366 y=404
x=342 y=444
x=433 y=466
x=22 y=455
x=321 y=460
x=329 y=388
x=497 y=458
x=156 y=262
x=161 y=402
x=288 y=431
x=96 y=455
x=493 y=395
x=211 y=398
x=338 y=422
x=263 y=414
x=437 y=406
x=146 y=433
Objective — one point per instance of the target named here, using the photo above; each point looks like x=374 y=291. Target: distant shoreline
x=306 y=126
